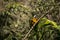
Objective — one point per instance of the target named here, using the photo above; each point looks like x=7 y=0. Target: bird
x=34 y=19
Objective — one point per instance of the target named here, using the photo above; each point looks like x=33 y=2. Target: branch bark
x=37 y=22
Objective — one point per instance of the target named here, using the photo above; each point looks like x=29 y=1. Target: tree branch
x=37 y=22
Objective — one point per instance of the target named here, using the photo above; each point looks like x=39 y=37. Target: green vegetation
x=16 y=15
x=45 y=30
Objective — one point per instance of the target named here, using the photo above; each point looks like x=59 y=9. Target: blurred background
x=15 y=16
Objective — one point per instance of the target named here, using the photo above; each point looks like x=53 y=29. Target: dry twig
x=37 y=22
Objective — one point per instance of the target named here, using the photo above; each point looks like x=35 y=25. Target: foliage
x=14 y=20
x=42 y=6
x=45 y=30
